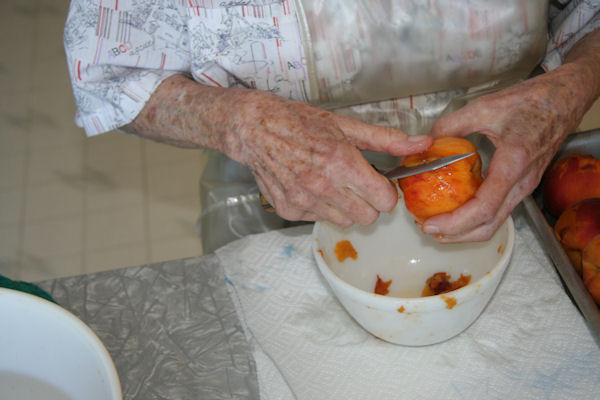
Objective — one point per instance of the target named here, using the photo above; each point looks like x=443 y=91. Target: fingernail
x=417 y=138
x=431 y=229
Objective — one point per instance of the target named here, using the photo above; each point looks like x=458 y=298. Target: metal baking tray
x=587 y=142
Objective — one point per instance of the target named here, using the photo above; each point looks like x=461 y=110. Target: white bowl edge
x=90 y=336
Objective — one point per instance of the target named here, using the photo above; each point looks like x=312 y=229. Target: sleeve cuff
x=127 y=100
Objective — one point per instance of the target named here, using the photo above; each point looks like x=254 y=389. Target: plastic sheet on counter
x=171 y=328
x=231 y=207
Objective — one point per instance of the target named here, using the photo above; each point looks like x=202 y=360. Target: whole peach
x=569 y=180
x=444 y=189
x=576 y=226
x=591 y=267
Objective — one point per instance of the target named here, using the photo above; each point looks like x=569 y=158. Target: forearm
x=185 y=113
x=581 y=70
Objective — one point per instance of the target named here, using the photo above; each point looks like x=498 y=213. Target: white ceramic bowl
x=395 y=248
x=47 y=353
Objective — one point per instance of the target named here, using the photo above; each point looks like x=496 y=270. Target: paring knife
x=401 y=172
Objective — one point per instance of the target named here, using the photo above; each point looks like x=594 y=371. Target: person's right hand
x=307 y=161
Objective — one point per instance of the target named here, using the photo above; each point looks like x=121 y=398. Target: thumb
x=382 y=138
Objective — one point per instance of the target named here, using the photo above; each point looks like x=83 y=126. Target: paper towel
x=529 y=343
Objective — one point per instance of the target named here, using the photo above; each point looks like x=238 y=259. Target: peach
x=591 y=267
x=445 y=189
x=344 y=249
x=440 y=283
x=571 y=179
x=576 y=226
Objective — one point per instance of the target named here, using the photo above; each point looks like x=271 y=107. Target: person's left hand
x=526 y=123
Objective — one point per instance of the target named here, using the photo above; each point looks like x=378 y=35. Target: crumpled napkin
x=529 y=343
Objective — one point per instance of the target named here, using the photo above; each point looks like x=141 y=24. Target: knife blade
x=403 y=171
x=400 y=172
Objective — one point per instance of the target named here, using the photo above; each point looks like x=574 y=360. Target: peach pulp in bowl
x=395 y=250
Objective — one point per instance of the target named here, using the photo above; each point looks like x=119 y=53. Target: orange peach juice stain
x=381 y=286
x=401 y=309
x=321 y=253
x=500 y=248
x=450 y=302
x=344 y=249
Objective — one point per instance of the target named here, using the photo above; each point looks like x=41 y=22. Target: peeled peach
x=576 y=226
x=445 y=189
x=569 y=180
x=591 y=267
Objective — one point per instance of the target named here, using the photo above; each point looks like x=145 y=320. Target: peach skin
x=571 y=179
x=591 y=267
x=576 y=226
x=445 y=189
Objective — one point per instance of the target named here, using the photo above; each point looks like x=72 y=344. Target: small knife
x=400 y=172
x=403 y=172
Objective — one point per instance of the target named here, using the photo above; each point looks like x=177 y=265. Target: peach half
x=571 y=179
x=445 y=189
x=576 y=226
x=591 y=267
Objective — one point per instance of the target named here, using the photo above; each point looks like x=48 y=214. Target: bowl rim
x=412 y=304
x=50 y=307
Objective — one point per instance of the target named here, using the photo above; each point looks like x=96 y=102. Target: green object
x=25 y=287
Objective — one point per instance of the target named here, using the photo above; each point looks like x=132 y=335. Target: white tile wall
x=70 y=204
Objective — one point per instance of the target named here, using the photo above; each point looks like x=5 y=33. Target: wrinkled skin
x=527 y=123
x=306 y=161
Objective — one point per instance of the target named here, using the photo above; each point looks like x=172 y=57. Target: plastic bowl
x=395 y=248
x=48 y=353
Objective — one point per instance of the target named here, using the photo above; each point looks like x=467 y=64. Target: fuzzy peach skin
x=576 y=226
x=591 y=267
x=571 y=179
x=444 y=189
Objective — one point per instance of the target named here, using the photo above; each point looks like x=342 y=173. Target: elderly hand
x=527 y=124
x=307 y=161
